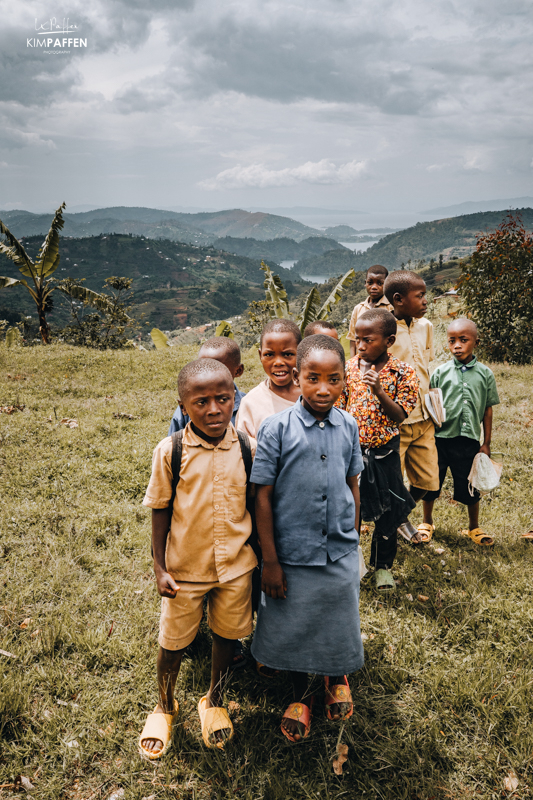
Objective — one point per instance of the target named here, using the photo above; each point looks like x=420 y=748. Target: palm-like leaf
x=335 y=295
x=5 y=282
x=48 y=258
x=12 y=337
x=310 y=309
x=224 y=329
x=275 y=291
x=159 y=339
x=15 y=252
x=99 y=301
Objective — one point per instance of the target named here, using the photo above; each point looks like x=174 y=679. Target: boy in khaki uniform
x=200 y=548
x=374 y=283
x=414 y=344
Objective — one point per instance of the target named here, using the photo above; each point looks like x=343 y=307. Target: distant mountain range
x=454 y=236
x=283 y=249
x=200 y=228
x=473 y=206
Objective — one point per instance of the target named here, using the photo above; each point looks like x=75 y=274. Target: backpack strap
x=246 y=452
x=175 y=463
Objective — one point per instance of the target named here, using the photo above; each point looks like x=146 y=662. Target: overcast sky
x=212 y=103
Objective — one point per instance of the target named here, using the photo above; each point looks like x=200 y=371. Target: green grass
x=443 y=706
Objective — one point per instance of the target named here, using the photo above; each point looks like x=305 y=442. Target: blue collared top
x=179 y=419
x=307 y=462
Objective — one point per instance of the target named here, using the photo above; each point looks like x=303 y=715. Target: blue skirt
x=316 y=629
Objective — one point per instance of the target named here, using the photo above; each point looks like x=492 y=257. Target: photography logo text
x=56 y=36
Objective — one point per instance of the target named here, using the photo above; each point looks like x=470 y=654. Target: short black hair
x=401 y=281
x=377 y=269
x=318 y=324
x=282 y=326
x=227 y=347
x=318 y=341
x=201 y=366
x=381 y=319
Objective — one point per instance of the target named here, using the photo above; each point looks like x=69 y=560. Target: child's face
x=462 y=340
x=321 y=381
x=209 y=404
x=414 y=303
x=278 y=356
x=374 y=285
x=235 y=369
x=370 y=343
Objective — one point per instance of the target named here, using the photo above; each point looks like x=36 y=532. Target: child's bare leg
x=168 y=667
x=473 y=516
x=299 y=692
x=428 y=511
x=221 y=660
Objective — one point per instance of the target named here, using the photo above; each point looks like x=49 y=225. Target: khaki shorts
x=418 y=453
x=229 y=611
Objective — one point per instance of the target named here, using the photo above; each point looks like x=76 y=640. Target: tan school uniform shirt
x=361 y=308
x=257 y=405
x=210 y=524
x=414 y=344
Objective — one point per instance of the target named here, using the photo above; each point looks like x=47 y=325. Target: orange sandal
x=338 y=693
x=301 y=712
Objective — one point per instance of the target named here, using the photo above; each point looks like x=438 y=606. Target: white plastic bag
x=485 y=474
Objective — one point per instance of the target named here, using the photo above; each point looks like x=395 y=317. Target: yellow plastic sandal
x=158 y=726
x=426 y=532
x=479 y=537
x=213 y=720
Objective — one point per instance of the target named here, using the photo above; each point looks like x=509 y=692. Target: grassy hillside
x=175 y=284
x=200 y=228
x=443 y=705
x=455 y=236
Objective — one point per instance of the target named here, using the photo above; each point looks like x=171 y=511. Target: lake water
x=361 y=246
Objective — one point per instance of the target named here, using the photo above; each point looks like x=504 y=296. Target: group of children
x=330 y=442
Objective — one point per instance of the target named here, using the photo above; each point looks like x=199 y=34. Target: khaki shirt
x=261 y=402
x=414 y=345
x=210 y=524
x=362 y=308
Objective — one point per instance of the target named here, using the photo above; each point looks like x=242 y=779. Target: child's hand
x=371 y=378
x=485 y=448
x=166 y=585
x=273 y=581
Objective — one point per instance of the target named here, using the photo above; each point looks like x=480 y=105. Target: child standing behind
x=375 y=281
x=199 y=542
x=380 y=393
x=277 y=351
x=306 y=469
x=469 y=393
x=228 y=352
x=414 y=344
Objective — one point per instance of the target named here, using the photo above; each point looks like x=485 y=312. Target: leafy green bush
x=496 y=286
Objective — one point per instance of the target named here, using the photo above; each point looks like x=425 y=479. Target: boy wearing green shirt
x=469 y=393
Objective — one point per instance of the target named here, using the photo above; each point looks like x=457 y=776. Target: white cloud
x=259 y=176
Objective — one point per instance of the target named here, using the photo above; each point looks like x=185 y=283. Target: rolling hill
x=454 y=236
x=174 y=284
x=277 y=249
x=201 y=228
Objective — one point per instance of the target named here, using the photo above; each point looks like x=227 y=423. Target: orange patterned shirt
x=398 y=380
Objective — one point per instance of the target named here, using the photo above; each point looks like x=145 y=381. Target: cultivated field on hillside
x=443 y=706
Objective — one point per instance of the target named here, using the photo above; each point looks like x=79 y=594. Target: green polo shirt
x=467 y=390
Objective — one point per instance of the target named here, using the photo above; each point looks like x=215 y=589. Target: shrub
x=496 y=286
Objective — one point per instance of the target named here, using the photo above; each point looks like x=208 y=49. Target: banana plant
x=275 y=292
x=224 y=329
x=312 y=310
x=40 y=271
